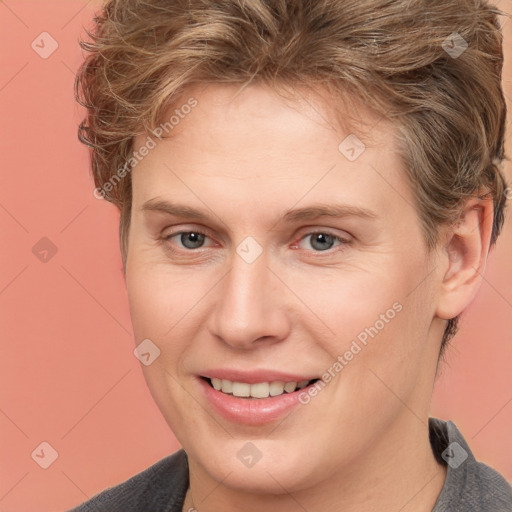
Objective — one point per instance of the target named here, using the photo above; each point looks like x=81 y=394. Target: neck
x=399 y=473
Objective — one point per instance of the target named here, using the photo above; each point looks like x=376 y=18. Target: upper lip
x=255 y=376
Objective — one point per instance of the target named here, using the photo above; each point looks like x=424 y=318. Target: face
x=265 y=284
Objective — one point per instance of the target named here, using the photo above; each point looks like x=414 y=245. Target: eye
x=188 y=239
x=323 y=241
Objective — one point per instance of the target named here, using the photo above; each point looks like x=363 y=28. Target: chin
x=262 y=480
x=270 y=475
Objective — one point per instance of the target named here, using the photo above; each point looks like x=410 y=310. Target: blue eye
x=196 y=238
x=321 y=241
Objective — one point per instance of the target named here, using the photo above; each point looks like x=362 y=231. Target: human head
x=435 y=119
x=450 y=111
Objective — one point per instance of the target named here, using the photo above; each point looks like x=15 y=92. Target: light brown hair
x=391 y=55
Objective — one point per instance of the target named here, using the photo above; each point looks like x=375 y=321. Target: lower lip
x=250 y=411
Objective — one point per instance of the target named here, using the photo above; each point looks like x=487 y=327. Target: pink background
x=67 y=370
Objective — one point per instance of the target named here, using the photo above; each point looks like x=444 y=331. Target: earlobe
x=463 y=257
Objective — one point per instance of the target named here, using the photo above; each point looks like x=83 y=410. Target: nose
x=250 y=305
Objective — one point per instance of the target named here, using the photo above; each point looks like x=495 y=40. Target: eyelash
x=329 y=252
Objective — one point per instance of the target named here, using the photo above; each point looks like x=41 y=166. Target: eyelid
x=306 y=231
x=310 y=230
x=344 y=241
x=199 y=231
x=186 y=228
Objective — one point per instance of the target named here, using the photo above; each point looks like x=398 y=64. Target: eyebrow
x=312 y=212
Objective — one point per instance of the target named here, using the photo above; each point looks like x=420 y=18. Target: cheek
x=155 y=311
x=350 y=301
x=375 y=320
x=164 y=308
x=155 y=298
x=148 y=308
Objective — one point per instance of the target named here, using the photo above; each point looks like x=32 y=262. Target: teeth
x=276 y=388
x=226 y=386
x=241 y=389
x=289 y=387
x=258 y=390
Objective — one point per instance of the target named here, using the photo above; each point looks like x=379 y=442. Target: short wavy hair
x=394 y=57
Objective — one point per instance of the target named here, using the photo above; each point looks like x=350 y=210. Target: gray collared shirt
x=470 y=486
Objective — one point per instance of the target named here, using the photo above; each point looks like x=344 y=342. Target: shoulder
x=159 y=488
x=470 y=485
x=492 y=489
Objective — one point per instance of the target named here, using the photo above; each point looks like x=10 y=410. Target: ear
x=463 y=257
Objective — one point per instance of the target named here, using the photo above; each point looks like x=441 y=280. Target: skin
x=362 y=442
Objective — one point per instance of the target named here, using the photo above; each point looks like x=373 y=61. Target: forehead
x=260 y=150
x=264 y=113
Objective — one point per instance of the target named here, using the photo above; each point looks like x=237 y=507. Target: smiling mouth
x=259 y=390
